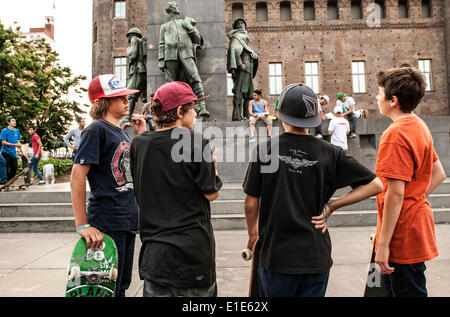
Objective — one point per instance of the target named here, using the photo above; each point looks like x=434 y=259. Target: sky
x=73 y=29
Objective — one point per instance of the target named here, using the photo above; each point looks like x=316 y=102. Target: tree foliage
x=34 y=87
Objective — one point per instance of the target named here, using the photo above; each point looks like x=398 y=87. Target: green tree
x=34 y=87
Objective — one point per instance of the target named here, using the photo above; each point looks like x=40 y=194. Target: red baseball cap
x=174 y=94
x=108 y=86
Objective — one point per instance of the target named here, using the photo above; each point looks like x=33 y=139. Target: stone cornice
x=342 y=27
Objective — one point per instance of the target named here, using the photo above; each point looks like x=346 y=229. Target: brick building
x=330 y=45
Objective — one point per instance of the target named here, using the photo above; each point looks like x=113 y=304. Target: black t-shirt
x=175 y=217
x=112 y=205
x=310 y=171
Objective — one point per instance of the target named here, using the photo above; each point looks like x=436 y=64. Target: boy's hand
x=382 y=260
x=93 y=237
x=320 y=223
x=139 y=123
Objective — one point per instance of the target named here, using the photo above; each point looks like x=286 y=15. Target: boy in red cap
x=410 y=170
x=104 y=158
x=173 y=190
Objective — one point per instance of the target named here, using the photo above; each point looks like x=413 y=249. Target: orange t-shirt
x=406 y=153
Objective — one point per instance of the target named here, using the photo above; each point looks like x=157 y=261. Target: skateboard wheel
x=246 y=254
x=372 y=238
x=113 y=274
x=74 y=273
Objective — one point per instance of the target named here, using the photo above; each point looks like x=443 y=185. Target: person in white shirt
x=347 y=106
x=322 y=101
x=339 y=128
x=49 y=173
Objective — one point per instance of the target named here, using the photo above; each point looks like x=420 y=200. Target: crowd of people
x=138 y=186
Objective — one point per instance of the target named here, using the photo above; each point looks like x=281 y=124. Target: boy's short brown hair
x=168 y=118
x=406 y=83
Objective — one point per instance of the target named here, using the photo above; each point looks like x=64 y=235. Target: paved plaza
x=35 y=264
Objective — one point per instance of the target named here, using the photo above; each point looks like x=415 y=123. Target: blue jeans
x=291 y=285
x=408 y=280
x=34 y=166
x=3 y=176
x=125 y=248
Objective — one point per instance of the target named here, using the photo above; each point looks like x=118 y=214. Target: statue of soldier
x=137 y=70
x=242 y=64
x=178 y=42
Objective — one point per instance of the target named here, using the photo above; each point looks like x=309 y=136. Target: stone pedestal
x=211 y=60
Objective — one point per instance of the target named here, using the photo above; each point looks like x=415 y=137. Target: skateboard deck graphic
x=248 y=255
x=373 y=286
x=92 y=273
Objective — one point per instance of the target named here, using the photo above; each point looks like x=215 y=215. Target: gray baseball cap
x=298 y=106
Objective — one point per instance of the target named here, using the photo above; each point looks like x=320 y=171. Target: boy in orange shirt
x=410 y=170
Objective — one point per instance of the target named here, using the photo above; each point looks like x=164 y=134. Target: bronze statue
x=179 y=40
x=137 y=70
x=242 y=63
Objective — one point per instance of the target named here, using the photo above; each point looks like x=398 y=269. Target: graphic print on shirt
x=297 y=161
x=120 y=167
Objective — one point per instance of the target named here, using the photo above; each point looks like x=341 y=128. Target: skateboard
x=93 y=273
x=248 y=255
x=373 y=286
x=25 y=172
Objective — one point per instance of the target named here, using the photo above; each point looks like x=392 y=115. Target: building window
x=359 y=77
x=403 y=9
x=261 y=12
x=426 y=9
x=237 y=11
x=357 y=10
x=285 y=11
x=120 y=67
x=332 y=10
x=275 y=78
x=120 y=9
x=382 y=7
x=309 y=12
x=425 y=68
x=230 y=85
x=312 y=75
x=94 y=36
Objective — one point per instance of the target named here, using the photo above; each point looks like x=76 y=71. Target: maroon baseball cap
x=174 y=94
x=108 y=86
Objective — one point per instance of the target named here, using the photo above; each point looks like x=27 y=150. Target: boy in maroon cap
x=173 y=191
x=103 y=157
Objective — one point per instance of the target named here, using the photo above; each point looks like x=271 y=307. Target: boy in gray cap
x=287 y=209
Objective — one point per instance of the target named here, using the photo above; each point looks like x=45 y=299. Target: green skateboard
x=93 y=273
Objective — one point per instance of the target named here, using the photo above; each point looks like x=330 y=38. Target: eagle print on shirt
x=297 y=161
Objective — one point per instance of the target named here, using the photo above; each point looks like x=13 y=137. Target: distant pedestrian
x=322 y=101
x=10 y=138
x=410 y=170
x=36 y=143
x=103 y=157
x=76 y=133
x=339 y=128
x=49 y=173
x=258 y=109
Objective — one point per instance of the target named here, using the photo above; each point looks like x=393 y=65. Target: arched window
x=237 y=11
x=382 y=7
x=285 y=11
x=308 y=10
x=357 y=13
x=261 y=12
x=403 y=9
x=426 y=9
x=332 y=10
